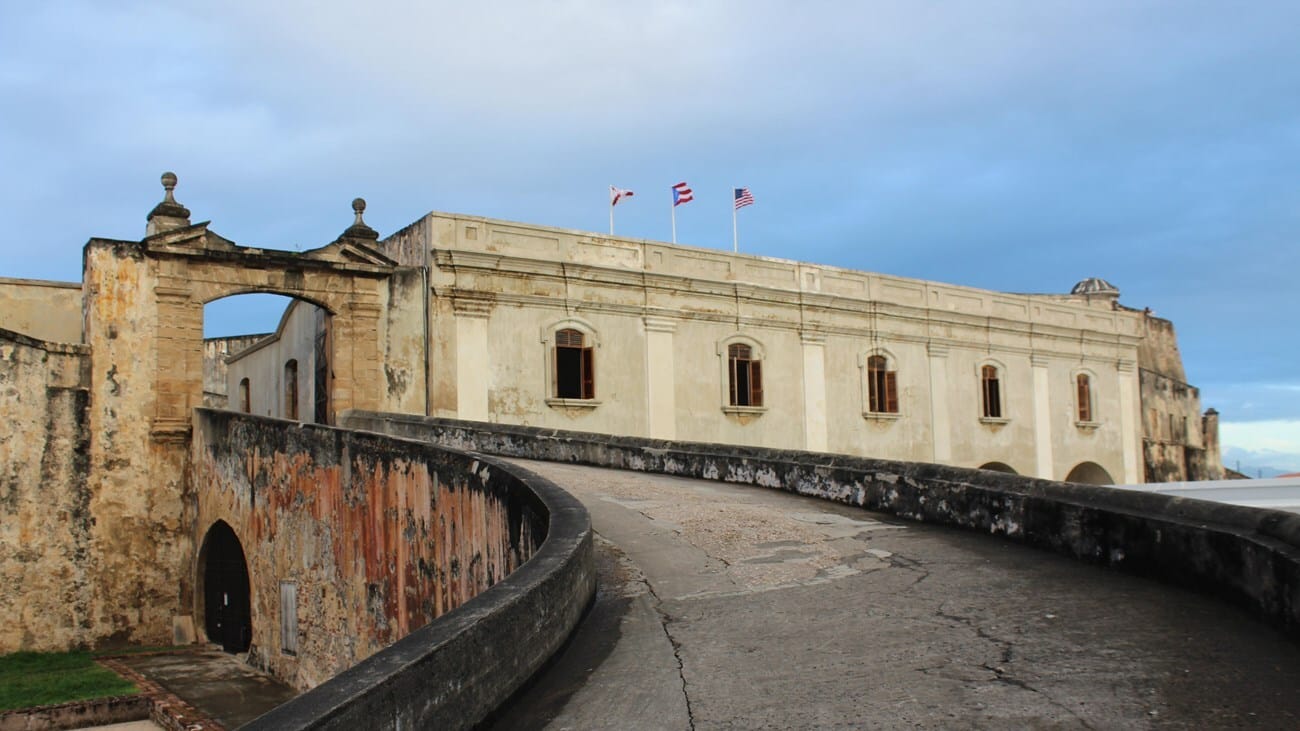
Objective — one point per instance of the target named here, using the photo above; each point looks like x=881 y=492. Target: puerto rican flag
x=682 y=194
x=618 y=194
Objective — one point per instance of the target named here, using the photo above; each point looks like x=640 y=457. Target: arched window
x=245 y=399
x=990 y=392
x=882 y=386
x=575 y=368
x=291 y=389
x=745 y=373
x=1083 y=397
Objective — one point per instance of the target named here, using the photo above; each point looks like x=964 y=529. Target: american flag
x=682 y=194
x=618 y=194
x=743 y=198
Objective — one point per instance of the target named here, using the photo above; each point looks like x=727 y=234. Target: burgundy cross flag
x=682 y=194
x=618 y=194
x=743 y=197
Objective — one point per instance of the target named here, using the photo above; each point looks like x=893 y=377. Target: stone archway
x=1090 y=473
x=143 y=311
x=223 y=578
x=998 y=467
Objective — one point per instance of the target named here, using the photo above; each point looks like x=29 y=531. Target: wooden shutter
x=1085 y=398
x=755 y=383
x=732 y=364
x=891 y=392
x=588 y=373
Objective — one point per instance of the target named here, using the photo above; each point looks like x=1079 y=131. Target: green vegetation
x=39 y=678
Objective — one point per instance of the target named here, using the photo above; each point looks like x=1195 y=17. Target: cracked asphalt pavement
x=724 y=606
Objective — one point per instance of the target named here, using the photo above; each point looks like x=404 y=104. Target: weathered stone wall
x=380 y=535
x=45 y=517
x=1247 y=555
x=44 y=310
x=1175 y=444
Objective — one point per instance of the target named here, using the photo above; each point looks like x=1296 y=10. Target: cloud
x=1013 y=146
x=1262 y=444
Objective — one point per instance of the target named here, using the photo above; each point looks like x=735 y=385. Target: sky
x=1015 y=146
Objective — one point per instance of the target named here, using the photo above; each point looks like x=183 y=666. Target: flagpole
x=674 y=214
x=735 y=236
x=611 y=216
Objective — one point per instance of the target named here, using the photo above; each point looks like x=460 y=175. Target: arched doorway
x=1090 y=473
x=998 y=467
x=226 y=608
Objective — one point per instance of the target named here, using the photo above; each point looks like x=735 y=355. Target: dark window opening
x=321 y=380
x=991 y=390
x=245 y=399
x=291 y=389
x=746 y=376
x=575 y=375
x=882 y=386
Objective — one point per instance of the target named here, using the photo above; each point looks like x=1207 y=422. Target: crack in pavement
x=1000 y=674
x=664 y=620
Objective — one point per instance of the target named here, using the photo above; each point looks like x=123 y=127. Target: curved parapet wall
x=436 y=581
x=1248 y=555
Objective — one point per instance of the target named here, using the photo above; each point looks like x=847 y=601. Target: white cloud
x=1274 y=443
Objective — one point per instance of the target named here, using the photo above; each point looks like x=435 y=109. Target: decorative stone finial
x=169 y=184
x=359 y=229
x=169 y=214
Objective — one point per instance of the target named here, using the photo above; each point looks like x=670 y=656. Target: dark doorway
x=227 y=618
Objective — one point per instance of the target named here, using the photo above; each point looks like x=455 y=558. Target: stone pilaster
x=814 y=390
x=472 y=361
x=1130 y=414
x=661 y=386
x=1042 y=417
x=940 y=422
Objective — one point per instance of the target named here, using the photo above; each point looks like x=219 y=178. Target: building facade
x=549 y=327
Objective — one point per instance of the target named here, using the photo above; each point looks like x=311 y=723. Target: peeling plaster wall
x=404 y=358
x=45 y=519
x=138 y=547
x=40 y=309
x=380 y=535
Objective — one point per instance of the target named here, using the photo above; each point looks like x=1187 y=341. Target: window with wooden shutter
x=991 y=392
x=746 y=376
x=575 y=369
x=1083 y=389
x=882 y=386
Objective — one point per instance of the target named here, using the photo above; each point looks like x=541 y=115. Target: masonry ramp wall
x=1248 y=555
x=436 y=582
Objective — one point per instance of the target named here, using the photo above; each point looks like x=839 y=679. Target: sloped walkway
x=203 y=689
x=726 y=607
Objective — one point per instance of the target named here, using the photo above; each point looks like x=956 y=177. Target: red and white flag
x=618 y=194
x=682 y=194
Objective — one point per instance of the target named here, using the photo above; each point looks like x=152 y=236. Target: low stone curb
x=77 y=714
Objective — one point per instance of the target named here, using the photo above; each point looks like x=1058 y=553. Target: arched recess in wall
x=224 y=589
x=1090 y=473
x=249 y=341
x=998 y=467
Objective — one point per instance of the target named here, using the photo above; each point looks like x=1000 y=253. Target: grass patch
x=40 y=678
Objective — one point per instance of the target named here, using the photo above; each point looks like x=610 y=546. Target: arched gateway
x=143 y=310
x=227 y=609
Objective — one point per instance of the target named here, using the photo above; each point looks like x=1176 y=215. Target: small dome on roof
x=1095 y=285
